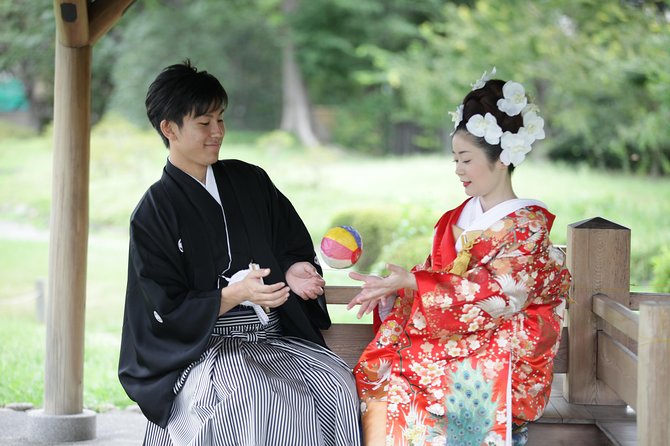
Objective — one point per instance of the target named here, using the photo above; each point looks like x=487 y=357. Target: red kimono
x=476 y=340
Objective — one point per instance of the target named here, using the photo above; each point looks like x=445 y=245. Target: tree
x=236 y=44
x=27 y=52
x=598 y=70
x=296 y=113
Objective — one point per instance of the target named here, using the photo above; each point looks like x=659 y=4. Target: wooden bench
x=349 y=340
x=617 y=358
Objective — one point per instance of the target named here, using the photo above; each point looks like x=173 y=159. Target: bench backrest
x=349 y=340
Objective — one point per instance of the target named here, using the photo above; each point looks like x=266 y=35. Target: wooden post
x=63 y=389
x=653 y=374
x=599 y=261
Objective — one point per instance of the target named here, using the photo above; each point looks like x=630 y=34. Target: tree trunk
x=296 y=113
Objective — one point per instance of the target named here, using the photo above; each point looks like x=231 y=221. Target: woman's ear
x=168 y=128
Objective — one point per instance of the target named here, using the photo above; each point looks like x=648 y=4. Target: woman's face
x=479 y=176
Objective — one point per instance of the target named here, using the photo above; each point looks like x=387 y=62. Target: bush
x=376 y=227
x=401 y=236
x=661 y=269
x=411 y=241
x=405 y=252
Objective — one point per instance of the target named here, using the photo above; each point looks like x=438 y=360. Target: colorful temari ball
x=341 y=247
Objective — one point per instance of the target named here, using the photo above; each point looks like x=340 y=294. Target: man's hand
x=305 y=281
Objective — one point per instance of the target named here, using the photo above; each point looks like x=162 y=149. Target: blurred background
x=345 y=103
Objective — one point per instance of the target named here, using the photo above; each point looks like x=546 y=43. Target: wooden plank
x=572 y=413
x=348 y=340
x=561 y=359
x=71 y=22
x=336 y=294
x=621 y=433
x=617 y=367
x=103 y=15
x=599 y=261
x=611 y=413
x=550 y=414
x=636 y=298
x=565 y=434
x=653 y=374
x=342 y=295
x=620 y=317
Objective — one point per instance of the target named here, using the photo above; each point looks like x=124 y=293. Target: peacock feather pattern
x=470 y=408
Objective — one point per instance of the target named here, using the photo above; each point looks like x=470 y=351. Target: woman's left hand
x=304 y=280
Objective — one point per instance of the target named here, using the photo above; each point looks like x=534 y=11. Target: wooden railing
x=610 y=353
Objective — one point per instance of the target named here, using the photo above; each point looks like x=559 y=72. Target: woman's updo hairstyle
x=484 y=100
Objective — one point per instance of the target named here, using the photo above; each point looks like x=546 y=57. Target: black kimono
x=178 y=256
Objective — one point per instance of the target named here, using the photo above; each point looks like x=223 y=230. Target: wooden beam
x=562 y=355
x=636 y=298
x=64 y=363
x=71 y=22
x=617 y=367
x=342 y=295
x=349 y=340
x=653 y=374
x=618 y=316
x=599 y=261
x=103 y=15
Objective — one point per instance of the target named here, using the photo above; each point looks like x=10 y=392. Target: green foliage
x=598 y=71
x=411 y=240
x=661 y=271
x=376 y=227
x=13 y=131
x=236 y=44
x=277 y=140
x=406 y=194
x=363 y=124
x=22 y=356
x=405 y=252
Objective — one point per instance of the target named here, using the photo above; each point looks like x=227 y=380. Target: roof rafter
x=82 y=23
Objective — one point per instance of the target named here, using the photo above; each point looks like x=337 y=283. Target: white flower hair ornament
x=485 y=127
x=514 y=146
x=484 y=79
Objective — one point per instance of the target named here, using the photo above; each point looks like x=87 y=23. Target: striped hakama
x=254 y=387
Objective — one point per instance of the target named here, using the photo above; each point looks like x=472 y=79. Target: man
x=221 y=339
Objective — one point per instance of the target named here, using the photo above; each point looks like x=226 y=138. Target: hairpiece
x=514 y=146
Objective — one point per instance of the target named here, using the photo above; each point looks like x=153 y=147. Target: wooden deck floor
x=575 y=424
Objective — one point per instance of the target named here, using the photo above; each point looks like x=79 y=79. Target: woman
x=221 y=341
x=465 y=355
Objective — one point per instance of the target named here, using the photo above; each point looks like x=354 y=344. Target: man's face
x=196 y=144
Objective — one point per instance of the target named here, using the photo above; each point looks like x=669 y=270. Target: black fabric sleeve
x=166 y=324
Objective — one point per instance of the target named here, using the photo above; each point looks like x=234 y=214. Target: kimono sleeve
x=291 y=243
x=490 y=291
x=166 y=324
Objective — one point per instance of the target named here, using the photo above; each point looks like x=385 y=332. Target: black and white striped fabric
x=253 y=387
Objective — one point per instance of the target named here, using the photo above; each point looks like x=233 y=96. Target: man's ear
x=168 y=128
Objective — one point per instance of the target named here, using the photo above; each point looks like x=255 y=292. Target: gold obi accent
x=460 y=264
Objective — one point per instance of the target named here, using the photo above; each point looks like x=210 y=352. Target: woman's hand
x=375 y=288
x=251 y=288
x=304 y=280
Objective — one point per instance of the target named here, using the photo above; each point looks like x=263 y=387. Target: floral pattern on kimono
x=454 y=357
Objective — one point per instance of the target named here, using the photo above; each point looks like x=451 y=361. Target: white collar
x=473 y=218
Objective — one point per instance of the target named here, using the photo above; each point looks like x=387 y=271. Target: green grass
x=319 y=182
